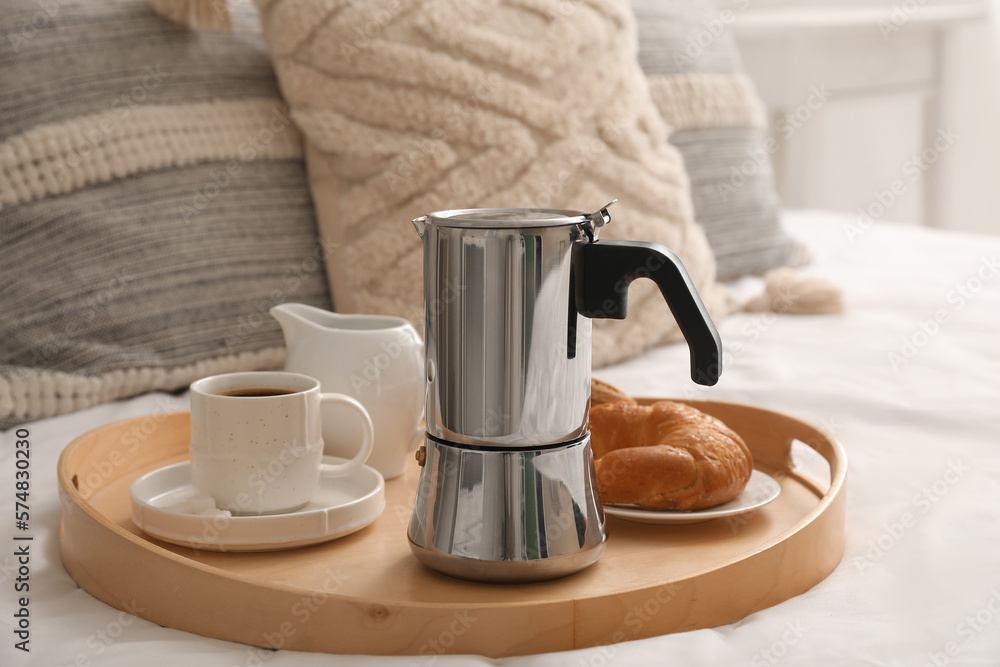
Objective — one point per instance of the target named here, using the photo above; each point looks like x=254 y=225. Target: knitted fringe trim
x=36 y=394
x=788 y=291
x=707 y=100
x=57 y=158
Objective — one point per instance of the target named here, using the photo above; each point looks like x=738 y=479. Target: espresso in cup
x=257 y=392
x=257 y=440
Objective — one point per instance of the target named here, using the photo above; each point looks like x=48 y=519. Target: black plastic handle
x=602 y=273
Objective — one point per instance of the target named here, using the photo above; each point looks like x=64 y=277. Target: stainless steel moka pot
x=507 y=490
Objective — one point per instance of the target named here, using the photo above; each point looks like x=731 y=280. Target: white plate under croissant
x=759 y=491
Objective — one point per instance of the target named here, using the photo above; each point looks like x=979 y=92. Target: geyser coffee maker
x=507 y=490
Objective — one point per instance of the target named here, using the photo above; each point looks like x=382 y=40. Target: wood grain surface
x=365 y=593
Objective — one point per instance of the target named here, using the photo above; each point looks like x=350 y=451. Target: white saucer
x=760 y=490
x=341 y=506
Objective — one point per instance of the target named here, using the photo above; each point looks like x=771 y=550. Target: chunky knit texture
x=410 y=107
x=56 y=158
x=153 y=205
x=702 y=101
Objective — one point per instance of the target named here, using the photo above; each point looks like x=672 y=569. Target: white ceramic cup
x=263 y=454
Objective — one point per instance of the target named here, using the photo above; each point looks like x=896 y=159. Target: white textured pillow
x=479 y=103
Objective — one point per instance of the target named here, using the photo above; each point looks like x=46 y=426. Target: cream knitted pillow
x=412 y=107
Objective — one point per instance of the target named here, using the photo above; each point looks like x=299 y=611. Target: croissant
x=666 y=456
x=601 y=392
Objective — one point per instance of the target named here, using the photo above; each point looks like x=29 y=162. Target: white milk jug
x=377 y=359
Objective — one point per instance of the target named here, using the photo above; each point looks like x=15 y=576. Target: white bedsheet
x=920 y=430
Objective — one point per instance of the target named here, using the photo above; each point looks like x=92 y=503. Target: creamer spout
x=420 y=224
x=296 y=319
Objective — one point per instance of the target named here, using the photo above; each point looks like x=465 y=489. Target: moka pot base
x=506 y=515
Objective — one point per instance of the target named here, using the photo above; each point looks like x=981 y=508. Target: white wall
x=911 y=127
x=970 y=98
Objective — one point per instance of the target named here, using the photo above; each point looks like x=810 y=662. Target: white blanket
x=908 y=380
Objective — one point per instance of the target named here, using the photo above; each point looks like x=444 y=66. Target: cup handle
x=367 y=441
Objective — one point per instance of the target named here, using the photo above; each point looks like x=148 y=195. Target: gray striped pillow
x=153 y=205
x=695 y=76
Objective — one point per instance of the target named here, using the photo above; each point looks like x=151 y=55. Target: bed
x=907 y=379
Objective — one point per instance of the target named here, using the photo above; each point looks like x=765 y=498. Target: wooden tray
x=366 y=593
